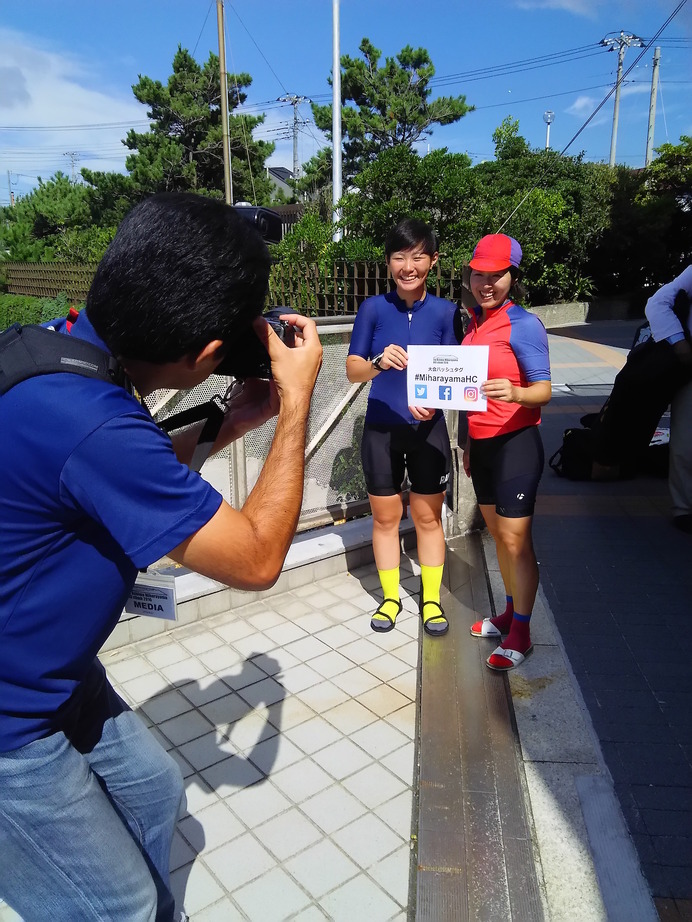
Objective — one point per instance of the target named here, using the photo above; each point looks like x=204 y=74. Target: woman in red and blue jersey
x=504 y=452
x=398 y=438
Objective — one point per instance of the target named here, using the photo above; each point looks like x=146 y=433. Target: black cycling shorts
x=506 y=469
x=420 y=449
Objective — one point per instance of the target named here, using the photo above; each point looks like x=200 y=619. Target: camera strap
x=213 y=412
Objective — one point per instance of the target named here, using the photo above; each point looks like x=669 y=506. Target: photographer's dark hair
x=181 y=271
x=409 y=233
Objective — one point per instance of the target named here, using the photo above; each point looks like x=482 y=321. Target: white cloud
x=582 y=106
x=588 y=8
x=635 y=89
x=47 y=88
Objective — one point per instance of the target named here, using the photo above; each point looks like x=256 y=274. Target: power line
x=596 y=110
x=278 y=79
x=211 y=3
x=98 y=126
x=512 y=68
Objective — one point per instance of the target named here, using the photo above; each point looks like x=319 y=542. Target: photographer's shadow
x=233 y=745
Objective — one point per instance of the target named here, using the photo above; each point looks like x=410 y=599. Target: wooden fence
x=309 y=289
x=46 y=280
x=342 y=287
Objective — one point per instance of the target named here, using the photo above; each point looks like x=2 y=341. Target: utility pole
x=9 y=189
x=336 y=120
x=623 y=41
x=74 y=157
x=223 y=85
x=295 y=101
x=652 y=108
x=238 y=466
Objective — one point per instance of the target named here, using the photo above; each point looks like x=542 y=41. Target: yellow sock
x=431 y=580
x=389 y=580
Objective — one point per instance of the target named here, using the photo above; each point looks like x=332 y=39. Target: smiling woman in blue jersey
x=398 y=438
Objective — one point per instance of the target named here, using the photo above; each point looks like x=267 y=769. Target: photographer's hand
x=294 y=369
x=257 y=402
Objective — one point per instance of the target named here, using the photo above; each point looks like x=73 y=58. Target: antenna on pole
x=223 y=85
x=336 y=121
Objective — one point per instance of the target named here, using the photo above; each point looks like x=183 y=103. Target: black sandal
x=434 y=625
x=383 y=627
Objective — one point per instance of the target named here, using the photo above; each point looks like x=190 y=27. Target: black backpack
x=574 y=458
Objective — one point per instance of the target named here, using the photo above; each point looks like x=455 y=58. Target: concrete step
x=475 y=850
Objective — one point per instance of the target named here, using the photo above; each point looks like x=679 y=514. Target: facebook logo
x=445 y=392
x=421 y=391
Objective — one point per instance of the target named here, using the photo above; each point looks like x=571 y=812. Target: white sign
x=153 y=594
x=448 y=377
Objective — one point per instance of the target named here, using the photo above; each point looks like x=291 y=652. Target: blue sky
x=67 y=68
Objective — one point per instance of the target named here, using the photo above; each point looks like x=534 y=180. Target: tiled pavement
x=296 y=736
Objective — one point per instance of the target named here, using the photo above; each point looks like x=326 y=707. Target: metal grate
x=334 y=485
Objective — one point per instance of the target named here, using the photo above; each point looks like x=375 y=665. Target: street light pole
x=336 y=121
x=548 y=118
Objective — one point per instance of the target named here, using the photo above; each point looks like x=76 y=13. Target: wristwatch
x=376 y=361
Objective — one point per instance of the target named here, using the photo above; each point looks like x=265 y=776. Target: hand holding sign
x=500 y=389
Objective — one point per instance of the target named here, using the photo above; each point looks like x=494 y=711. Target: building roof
x=281 y=172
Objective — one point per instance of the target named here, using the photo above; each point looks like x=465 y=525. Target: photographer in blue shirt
x=93 y=491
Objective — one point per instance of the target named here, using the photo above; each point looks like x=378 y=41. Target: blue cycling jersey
x=91 y=491
x=385 y=319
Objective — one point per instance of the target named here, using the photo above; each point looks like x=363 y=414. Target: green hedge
x=25 y=309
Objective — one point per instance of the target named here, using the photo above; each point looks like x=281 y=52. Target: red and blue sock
x=519 y=636
x=503 y=622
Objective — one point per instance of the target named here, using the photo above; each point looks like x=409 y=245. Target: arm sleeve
x=125 y=476
x=529 y=342
x=363 y=330
x=659 y=308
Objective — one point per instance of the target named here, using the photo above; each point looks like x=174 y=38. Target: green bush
x=26 y=309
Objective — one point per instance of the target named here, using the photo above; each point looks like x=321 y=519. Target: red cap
x=495 y=252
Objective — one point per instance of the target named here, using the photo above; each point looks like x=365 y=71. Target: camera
x=247 y=357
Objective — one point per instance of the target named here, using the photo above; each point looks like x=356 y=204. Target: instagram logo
x=471 y=393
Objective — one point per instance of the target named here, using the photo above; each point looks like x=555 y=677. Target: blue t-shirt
x=385 y=319
x=91 y=491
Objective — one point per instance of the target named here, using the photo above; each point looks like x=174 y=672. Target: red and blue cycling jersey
x=518 y=351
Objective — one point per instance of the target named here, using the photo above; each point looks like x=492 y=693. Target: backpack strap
x=31 y=350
